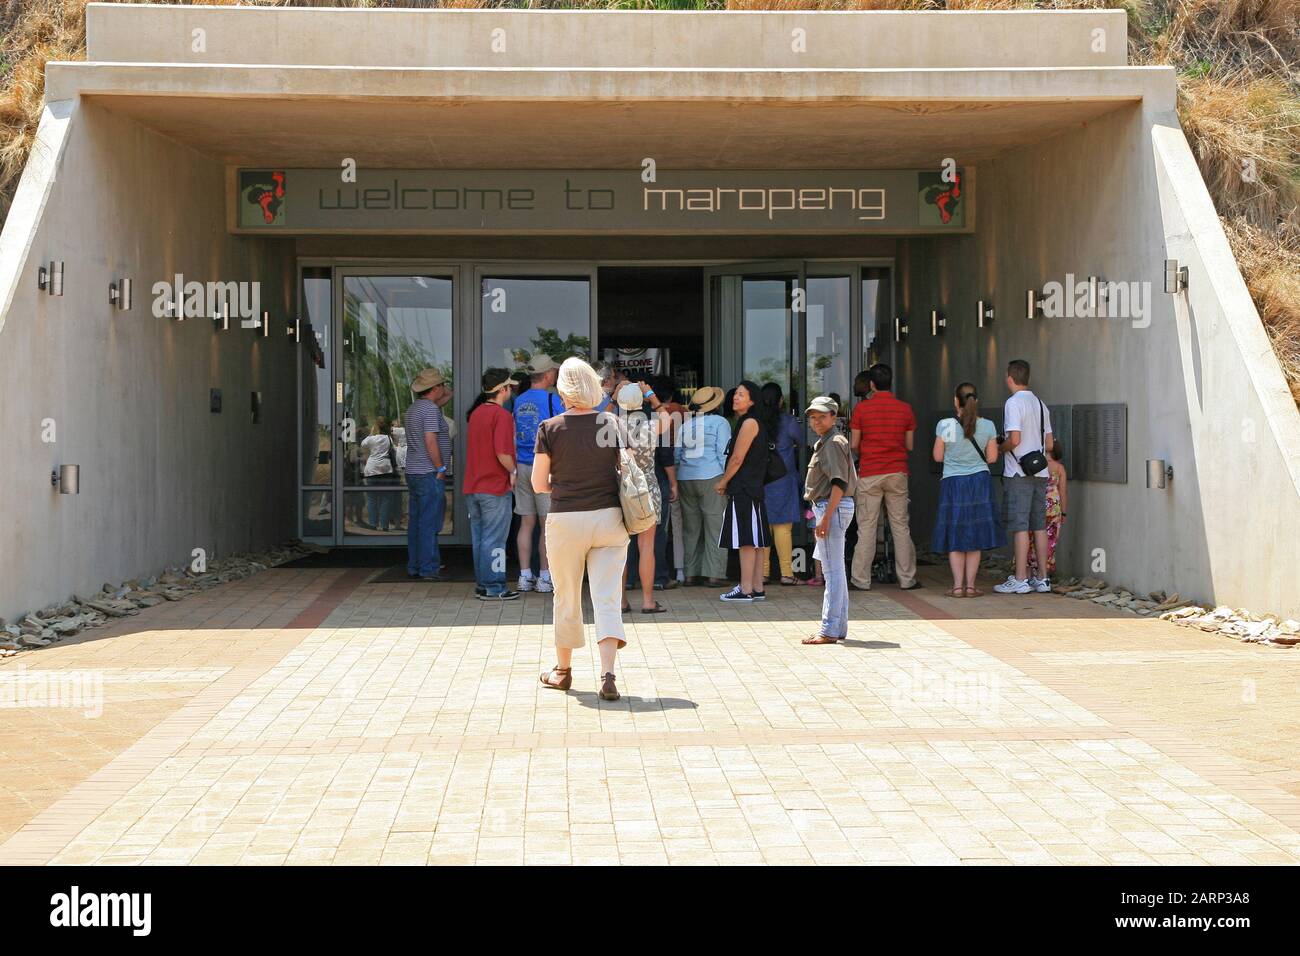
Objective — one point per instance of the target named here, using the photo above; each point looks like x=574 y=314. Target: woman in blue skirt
x=968 y=521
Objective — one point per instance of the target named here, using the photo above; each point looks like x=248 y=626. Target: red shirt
x=884 y=422
x=491 y=433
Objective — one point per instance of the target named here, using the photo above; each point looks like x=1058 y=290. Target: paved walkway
x=310 y=717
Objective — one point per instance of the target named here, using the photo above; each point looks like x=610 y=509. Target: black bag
x=775 y=469
x=1034 y=462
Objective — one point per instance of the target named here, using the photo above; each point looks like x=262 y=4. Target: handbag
x=634 y=495
x=775 y=468
x=1035 y=461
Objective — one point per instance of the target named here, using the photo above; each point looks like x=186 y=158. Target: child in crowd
x=1057 y=504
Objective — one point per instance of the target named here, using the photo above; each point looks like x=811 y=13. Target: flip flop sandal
x=657 y=609
x=974 y=593
x=788 y=581
x=956 y=592
x=821 y=639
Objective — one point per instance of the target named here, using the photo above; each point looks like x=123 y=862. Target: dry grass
x=1239 y=103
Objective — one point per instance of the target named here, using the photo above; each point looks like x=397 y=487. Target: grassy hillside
x=1239 y=83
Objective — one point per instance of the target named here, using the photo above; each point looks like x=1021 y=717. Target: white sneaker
x=545 y=585
x=1041 y=585
x=1013 y=585
x=526 y=582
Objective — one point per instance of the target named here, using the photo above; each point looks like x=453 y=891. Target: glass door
x=390 y=326
x=752 y=310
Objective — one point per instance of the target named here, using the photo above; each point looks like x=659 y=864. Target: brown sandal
x=607 y=689
x=565 y=681
x=821 y=639
x=974 y=592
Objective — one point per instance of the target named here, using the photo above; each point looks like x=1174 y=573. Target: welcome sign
x=592 y=201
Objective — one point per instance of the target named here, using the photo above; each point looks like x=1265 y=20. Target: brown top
x=831 y=464
x=584 y=460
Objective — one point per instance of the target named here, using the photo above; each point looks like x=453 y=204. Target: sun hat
x=630 y=397
x=427 y=379
x=823 y=403
x=542 y=363
x=706 y=398
x=495 y=378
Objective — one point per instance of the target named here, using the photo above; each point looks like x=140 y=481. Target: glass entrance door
x=391 y=327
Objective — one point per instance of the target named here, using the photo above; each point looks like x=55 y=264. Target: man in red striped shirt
x=881 y=433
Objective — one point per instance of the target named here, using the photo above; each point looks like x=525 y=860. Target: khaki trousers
x=594 y=541
x=871 y=492
x=702 y=511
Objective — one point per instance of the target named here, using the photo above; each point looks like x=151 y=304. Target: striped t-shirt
x=425 y=416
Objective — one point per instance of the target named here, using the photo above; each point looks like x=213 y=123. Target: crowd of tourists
x=640 y=489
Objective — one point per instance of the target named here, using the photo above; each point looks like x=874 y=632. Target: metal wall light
x=937 y=322
x=1175 y=277
x=67 y=478
x=119 y=294
x=1158 y=472
x=1096 y=292
x=222 y=319
x=983 y=314
x=266 y=324
x=50 y=278
x=1033 y=304
x=295 y=330
x=900 y=330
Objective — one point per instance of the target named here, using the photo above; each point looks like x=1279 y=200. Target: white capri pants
x=597 y=542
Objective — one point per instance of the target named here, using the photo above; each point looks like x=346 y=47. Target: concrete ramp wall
x=125 y=395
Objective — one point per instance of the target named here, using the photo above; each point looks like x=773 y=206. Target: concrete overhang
x=605 y=118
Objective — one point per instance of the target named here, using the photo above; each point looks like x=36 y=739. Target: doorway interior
x=652 y=321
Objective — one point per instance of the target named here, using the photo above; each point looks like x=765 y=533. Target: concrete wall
x=593 y=38
x=1203 y=387
x=127 y=393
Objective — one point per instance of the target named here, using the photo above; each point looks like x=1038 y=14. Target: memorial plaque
x=1063 y=431
x=1099 y=449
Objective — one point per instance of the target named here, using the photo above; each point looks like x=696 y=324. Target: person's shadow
x=870 y=645
x=638 y=705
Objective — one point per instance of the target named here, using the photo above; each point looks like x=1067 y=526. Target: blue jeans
x=830 y=552
x=428 y=503
x=489 y=525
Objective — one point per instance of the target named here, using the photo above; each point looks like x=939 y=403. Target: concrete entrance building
x=310 y=205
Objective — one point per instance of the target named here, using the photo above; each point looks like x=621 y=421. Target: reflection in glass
x=827 y=334
x=526 y=316
x=317 y=514
x=382 y=513
x=314 y=360
x=393 y=326
x=877 y=323
x=765 y=304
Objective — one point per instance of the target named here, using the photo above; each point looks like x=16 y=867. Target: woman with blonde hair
x=967 y=522
x=576 y=463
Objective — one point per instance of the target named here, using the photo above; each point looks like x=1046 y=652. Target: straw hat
x=427 y=379
x=707 y=398
x=542 y=363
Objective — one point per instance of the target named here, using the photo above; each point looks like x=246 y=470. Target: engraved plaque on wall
x=1099 y=447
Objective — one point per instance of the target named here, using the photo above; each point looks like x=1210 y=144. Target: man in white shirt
x=1028 y=428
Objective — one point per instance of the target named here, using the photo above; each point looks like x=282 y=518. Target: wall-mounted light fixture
x=1033 y=304
x=1097 y=290
x=295 y=330
x=222 y=318
x=900 y=330
x=937 y=322
x=266 y=324
x=983 y=314
x=1158 y=472
x=50 y=278
x=1175 y=277
x=119 y=294
x=67 y=478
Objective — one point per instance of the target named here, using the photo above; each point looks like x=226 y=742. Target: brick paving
x=307 y=716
